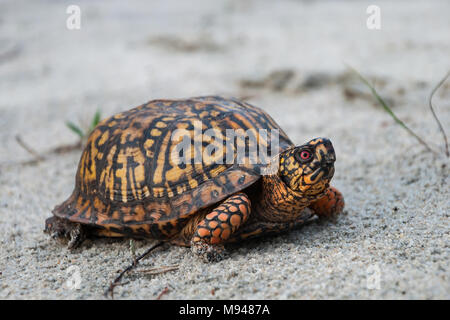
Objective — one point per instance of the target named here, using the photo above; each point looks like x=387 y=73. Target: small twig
x=35 y=154
x=159 y=270
x=66 y=148
x=391 y=113
x=116 y=281
x=165 y=290
x=38 y=157
x=10 y=54
x=434 y=114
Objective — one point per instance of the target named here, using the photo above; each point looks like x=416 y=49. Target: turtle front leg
x=218 y=226
x=62 y=228
x=329 y=205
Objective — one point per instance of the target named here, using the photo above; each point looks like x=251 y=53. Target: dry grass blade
x=434 y=114
x=34 y=153
x=38 y=157
x=116 y=282
x=67 y=148
x=165 y=291
x=390 y=112
x=159 y=270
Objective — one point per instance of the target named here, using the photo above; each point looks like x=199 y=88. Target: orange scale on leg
x=223 y=217
x=211 y=215
x=221 y=208
x=243 y=209
x=213 y=224
x=203 y=232
x=225 y=234
x=235 y=220
x=216 y=233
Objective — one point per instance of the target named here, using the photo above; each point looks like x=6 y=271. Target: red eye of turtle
x=305 y=155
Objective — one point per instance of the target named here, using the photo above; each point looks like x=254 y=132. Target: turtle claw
x=208 y=252
x=60 y=228
x=77 y=236
x=56 y=235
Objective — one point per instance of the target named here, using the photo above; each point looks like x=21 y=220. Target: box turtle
x=132 y=181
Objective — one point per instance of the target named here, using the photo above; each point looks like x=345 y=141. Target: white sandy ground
x=396 y=224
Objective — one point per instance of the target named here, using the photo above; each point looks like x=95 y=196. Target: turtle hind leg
x=218 y=226
x=62 y=228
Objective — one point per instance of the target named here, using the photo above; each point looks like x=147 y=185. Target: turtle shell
x=130 y=179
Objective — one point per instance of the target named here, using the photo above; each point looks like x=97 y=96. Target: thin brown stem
x=135 y=262
x=165 y=290
x=27 y=148
x=159 y=270
x=390 y=112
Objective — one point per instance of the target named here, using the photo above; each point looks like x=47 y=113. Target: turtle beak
x=328 y=159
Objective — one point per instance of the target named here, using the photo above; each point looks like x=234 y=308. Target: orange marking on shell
x=148 y=143
x=161 y=124
x=112 y=124
x=99 y=205
x=160 y=162
x=155 y=132
x=103 y=138
x=233 y=209
x=193 y=183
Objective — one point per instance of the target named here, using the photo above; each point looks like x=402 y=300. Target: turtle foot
x=209 y=252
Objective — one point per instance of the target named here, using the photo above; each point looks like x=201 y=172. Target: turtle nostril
x=329 y=160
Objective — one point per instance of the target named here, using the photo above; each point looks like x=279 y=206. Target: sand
x=286 y=57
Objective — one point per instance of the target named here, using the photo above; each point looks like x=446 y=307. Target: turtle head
x=308 y=168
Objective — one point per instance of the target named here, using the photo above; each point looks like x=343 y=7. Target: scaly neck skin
x=278 y=203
